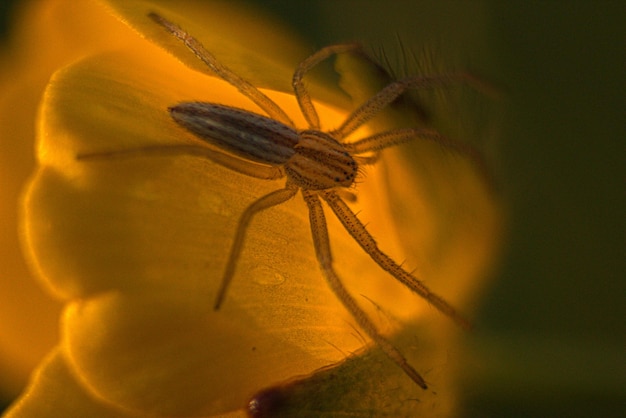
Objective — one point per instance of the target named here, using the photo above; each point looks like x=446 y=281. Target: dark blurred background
x=551 y=329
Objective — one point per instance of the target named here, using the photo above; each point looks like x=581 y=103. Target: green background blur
x=551 y=330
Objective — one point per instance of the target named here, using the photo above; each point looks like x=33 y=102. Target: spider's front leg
x=222 y=71
x=393 y=137
x=391 y=92
x=302 y=94
x=386 y=139
x=321 y=242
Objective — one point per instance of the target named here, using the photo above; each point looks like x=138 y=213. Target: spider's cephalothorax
x=314 y=162
x=320 y=162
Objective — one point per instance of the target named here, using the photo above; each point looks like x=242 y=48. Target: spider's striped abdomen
x=248 y=135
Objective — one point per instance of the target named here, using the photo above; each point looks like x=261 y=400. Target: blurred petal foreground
x=131 y=250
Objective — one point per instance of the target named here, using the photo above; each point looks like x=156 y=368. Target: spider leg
x=387 y=95
x=260 y=171
x=302 y=94
x=319 y=231
x=358 y=231
x=393 y=137
x=272 y=199
x=225 y=73
x=399 y=136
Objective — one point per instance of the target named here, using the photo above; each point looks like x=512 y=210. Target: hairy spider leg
x=392 y=91
x=393 y=137
x=222 y=71
x=265 y=202
x=302 y=94
x=357 y=230
x=390 y=138
x=248 y=168
x=398 y=136
x=319 y=230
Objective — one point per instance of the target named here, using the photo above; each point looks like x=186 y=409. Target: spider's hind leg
x=357 y=230
x=393 y=137
x=321 y=242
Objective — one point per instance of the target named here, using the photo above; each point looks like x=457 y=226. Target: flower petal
x=45 y=35
x=56 y=392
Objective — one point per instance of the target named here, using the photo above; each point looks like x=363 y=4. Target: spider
x=316 y=163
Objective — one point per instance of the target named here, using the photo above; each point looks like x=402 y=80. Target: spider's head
x=320 y=162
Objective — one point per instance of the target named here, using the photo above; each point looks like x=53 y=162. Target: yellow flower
x=134 y=248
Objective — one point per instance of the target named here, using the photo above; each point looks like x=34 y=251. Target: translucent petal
x=45 y=35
